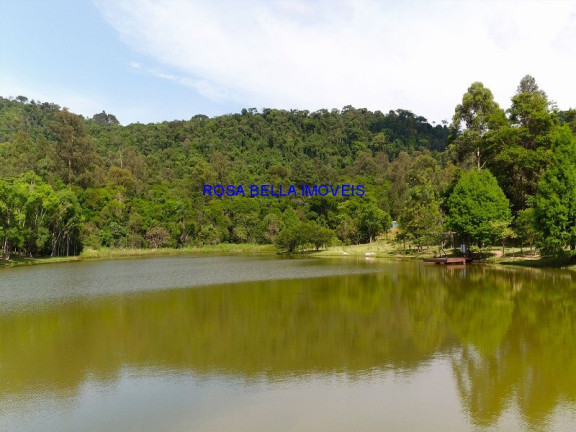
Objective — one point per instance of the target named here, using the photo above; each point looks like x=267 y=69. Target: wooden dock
x=451 y=260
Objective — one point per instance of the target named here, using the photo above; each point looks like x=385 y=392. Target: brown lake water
x=268 y=344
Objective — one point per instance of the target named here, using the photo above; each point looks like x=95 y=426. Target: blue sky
x=65 y=52
x=149 y=61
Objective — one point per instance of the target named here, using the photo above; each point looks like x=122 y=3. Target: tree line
x=69 y=182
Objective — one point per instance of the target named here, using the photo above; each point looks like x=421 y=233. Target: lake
x=268 y=344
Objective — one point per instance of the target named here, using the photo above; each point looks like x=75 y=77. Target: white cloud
x=203 y=87
x=420 y=56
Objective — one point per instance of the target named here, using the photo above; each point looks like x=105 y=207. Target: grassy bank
x=491 y=255
x=112 y=253
x=380 y=249
x=104 y=253
x=13 y=262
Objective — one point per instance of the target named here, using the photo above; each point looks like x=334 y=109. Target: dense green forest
x=492 y=175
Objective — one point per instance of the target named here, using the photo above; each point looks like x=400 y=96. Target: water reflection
x=508 y=335
x=519 y=344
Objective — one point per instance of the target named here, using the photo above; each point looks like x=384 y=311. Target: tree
x=157 y=237
x=530 y=113
x=304 y=234
x=74 y=151
x=65 y=216
x=271 y=226
x=524 y=227
x=373 y=221
x=132 y=179
x=361 y=222
x=480 y=115
x=36 y=220
x=421 y=219
x=475 y=205
x=504 y=232
x=316 y=235
x=290 y=238
x=523 y=147
x=104 y=118
x=555 y=201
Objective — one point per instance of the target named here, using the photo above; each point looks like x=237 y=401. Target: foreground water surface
x=267 y=344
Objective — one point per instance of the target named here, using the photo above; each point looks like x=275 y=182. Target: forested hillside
x=67 y=182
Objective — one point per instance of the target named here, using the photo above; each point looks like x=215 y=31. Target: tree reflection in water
x=510 y=334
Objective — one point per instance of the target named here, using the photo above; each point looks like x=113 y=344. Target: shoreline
x=117 y=253
x=379 y=250
x=386 y=251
